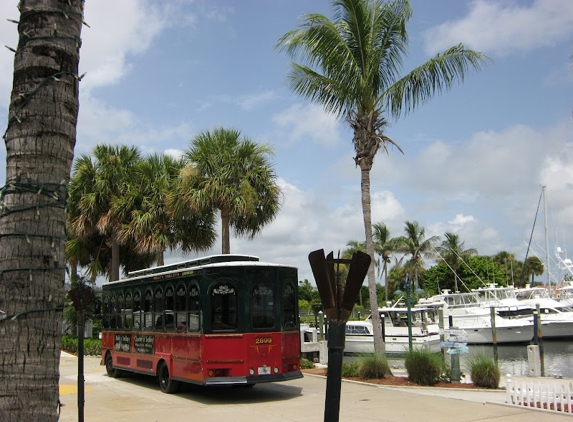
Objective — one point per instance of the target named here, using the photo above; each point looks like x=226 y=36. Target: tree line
x=126 y=210
x=456 y=268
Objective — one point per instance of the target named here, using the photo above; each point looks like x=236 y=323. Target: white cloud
x=100 y=123
x=251 y=101
x=130 y=29
x=504 y=27
x=490 y=163
x=308 y=123
x=174 y=153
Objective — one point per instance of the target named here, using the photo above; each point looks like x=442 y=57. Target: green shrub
x=92 y=346
x=70 y=344
x=306 y=364
x=350 y=370
x=484 y=371
x=374 y=366
x=424 y=366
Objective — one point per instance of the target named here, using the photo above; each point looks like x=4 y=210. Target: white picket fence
x=552 y=395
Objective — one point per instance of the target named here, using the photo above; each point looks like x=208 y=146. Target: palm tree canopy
x=154 y=225
x=383 y=244
x=354 y=62
x=416 y=244
x=233 y=174
x=452 y=249
x=96 y=184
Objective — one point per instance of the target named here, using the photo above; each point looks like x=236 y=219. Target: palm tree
x=533 y=266
x=232 y=174
x=453 y=253
x=155 y=223
x=352 y=67
x=97 y=185
x=40 y=140
x=507 y=260
x=384 y=245
x=417 y=247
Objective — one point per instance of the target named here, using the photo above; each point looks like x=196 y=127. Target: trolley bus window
x=169 y=308
x=158 y=308
x=106 y=311
x=180 y=308
x=263 y=306
x=113 y=308
x=127 y=311
x=137 y=310
x=194 y=308
x=289 y=307
x=119 y=314
x=148 y=315
x=224 y=307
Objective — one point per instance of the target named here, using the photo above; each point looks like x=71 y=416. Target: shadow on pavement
x=263 y=392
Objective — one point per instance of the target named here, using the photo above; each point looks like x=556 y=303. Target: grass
x=374 y=366
x=484 y=370
x=424 y=366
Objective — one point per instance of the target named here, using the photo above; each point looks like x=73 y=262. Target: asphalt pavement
x=138 y=398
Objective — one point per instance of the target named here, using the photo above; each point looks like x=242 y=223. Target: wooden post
x=493 y=333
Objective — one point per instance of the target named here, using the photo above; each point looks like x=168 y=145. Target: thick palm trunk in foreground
x=40 y=141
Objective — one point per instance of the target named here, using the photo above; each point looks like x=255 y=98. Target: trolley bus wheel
x=167 y=384
x=111 y=371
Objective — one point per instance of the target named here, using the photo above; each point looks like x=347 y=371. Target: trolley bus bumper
x=252 y=380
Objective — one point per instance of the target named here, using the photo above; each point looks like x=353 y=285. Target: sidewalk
x=138 y=398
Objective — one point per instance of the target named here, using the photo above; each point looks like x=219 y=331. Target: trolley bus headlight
x=251 y=371
x=276 y=370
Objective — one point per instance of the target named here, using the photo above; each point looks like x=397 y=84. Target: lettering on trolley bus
x=163 y=276
x=122 y=342
x=263 y=340
x=143 y=344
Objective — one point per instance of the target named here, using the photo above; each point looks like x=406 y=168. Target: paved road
x=138 y=398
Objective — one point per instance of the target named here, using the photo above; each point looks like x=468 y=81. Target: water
x=557 y=358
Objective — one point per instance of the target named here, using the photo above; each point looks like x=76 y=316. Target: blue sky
x=158 y=72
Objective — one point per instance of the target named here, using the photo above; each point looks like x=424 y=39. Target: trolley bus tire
x=168 y=385
x=111 y=371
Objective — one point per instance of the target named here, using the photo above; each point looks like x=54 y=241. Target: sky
x=475 y=158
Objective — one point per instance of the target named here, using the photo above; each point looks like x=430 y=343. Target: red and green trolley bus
x=218 y=320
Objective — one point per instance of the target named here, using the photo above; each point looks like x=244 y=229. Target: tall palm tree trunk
x=160 y=258
x=225 y=237
x=114 y=275
x=40 y=141
x=367 y=213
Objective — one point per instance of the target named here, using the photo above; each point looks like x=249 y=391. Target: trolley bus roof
x=211 y=261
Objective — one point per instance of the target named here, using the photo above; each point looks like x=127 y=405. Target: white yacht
x=472 y=314
x=556 y=317
x=425 y=332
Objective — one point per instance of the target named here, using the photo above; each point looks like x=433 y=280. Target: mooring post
x=540 y=338
x=492 y=315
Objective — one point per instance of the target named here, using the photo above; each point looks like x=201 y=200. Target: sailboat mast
x=546 y=243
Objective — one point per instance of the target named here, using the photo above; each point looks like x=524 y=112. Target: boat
x=556 y=318
x=468 y=311
x=359 y=337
